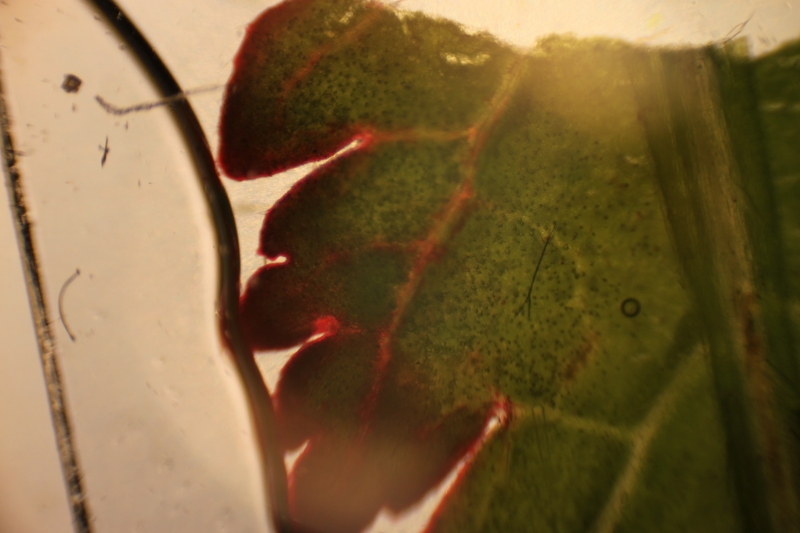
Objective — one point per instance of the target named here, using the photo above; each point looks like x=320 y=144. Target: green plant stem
x=701 y=176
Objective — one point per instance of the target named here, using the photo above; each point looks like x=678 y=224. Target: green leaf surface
x=570 y=265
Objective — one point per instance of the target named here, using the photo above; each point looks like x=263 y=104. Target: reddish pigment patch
x=326 y=326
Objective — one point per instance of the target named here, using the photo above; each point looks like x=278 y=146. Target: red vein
x=331 y=46
x=443 y=229
x=498 y=418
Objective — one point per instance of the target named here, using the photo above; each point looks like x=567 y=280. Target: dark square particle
x=71 y=83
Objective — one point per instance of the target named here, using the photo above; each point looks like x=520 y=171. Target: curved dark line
x=536 y=271
x=61 y=303
x=274 y=470
x=736 y=30
x=147 y=106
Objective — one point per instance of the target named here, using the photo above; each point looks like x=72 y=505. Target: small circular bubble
x=630 y=307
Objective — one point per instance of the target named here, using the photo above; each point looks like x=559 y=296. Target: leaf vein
x=643 y=437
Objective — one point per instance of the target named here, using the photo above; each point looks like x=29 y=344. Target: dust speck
x=71 y=83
